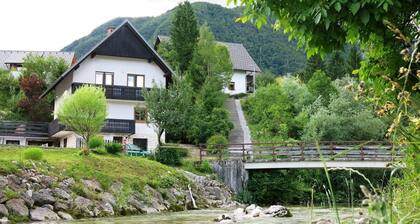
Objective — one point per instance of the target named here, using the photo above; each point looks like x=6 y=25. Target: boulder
x=83 y=207
x=222 y=217
x=116 y=187
x=137 y=204
x=61 y=205
x=249 y=209
x=65 y=216
x=92 y=185
x=108 y=198
x=4 y=220
x=277 y=211
x=15 y=183
x=43 y=214
x=3 y=197
x=50 y=207
x=66 y=184
x=238 y=214
x=62 y=194
x=43 y=196
x=47 y=181
x=256 y=212
x=3 y=182
x=3 y=211
x=17 y=207
x=105 y=209
x=27 y=197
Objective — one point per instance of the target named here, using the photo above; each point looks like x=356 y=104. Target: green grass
x=134 y=171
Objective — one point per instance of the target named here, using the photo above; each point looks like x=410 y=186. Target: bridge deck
x=303 y=155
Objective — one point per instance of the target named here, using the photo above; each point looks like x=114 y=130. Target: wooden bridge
x=371 y=154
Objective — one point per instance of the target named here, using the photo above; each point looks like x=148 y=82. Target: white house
x=124 y=65
x=244 y=67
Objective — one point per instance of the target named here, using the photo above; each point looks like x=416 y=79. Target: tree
x=354 y=57
x=314 y=63
x=170 y=109
x=320 y=85
x=34 y=108
x=210 y=60
x=184 y=35
x=9 y=96
x=47 y=68
x=84 y=112
x=336 y=65
x=264 y=79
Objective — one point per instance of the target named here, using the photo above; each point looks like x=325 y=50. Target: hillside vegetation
x=270 y=49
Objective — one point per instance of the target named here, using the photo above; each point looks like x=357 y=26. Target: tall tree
x=210 y=60
x=34 y=108
x=184 y=35
x=47 y=68
x=84 y=112
x=336 y=65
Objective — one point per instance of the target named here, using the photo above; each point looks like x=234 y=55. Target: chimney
x=109 y=30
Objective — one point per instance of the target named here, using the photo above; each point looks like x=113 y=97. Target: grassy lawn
x=106 y=169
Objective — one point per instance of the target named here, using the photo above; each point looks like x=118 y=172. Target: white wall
x=62 y=90
x=121 y=109
x=239 y=77
x=120 y=67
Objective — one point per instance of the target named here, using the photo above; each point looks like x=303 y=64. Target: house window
x=135 y=80
x=231 y=86
x=140 y=142
x=65 y=143
x=140 y=114
x=104 y=78
x=12 y=142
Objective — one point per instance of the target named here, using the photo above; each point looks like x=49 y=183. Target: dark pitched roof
x=239 y=56
x=122 y=42
x=17 y=57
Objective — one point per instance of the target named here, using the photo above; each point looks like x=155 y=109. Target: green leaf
x=385 y=6
x=337 y=6
x=365 y=16
x=354 y=8
x=317 y=18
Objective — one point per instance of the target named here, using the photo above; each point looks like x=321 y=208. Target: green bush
x=95 y=142
x=113 y=148
x=99 y=151
x=168 y=156
x=217 y=145
x=205 y=167
x=33 y=154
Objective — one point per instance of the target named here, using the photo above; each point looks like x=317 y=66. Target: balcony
x=117 y=92
x=25 y=129
x=110 y=126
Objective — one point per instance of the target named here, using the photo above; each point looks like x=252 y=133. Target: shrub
x=217 y=145
x=205 y=167
x=168 y=156
x=95 y=142
x=33 y=154
x=113 y=148
x=99 y=151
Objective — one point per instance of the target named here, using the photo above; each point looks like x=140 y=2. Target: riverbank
x=65 y=185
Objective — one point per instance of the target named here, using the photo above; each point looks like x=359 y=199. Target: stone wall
x=232 y=173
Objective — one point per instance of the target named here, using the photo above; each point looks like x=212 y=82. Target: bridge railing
x=303 y=151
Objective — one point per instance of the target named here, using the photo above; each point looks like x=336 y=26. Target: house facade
x=244 y=67
x=125 y=66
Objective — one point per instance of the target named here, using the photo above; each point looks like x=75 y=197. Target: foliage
x=320 y=86
x=184 y=35
x=84 y=112
x=170 y=109
x=294 y=186
x=47 y=69
x=9 y=193
x=99 y=151
x=344 y=118
x=335 y=66
x=264 y=78
x=113 y=148
x=275 y=53
x=95 y=142
x=168 y=156
x=210 y=60
x=35 y=108
x=312 y=23
x=9 y=95
x=33 y=154
x=217 y=144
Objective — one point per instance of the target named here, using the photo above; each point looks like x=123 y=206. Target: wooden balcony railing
x=110 y=126
x=117 y=92
x=26 y=129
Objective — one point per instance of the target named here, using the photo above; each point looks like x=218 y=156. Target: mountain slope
x=270 y=49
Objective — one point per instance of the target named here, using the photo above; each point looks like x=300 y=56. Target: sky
x=53 y=24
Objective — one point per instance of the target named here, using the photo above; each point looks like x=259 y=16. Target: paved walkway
x=240 y=132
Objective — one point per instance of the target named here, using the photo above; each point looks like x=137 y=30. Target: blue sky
x=53 y=24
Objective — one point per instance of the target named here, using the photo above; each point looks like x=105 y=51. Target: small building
x=12 y=60
x=244 y=67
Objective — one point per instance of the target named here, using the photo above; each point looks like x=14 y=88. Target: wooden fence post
x=243 y=153
x=274 y=152
x=302 y=152
x=362 y=153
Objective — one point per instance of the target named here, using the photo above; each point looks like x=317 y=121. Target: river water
x=300 y=215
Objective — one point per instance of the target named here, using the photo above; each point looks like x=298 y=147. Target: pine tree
x=184 y=35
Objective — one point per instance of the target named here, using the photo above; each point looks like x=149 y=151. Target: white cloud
x=52 y=24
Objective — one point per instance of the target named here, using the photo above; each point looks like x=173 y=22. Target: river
x=300 y=215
